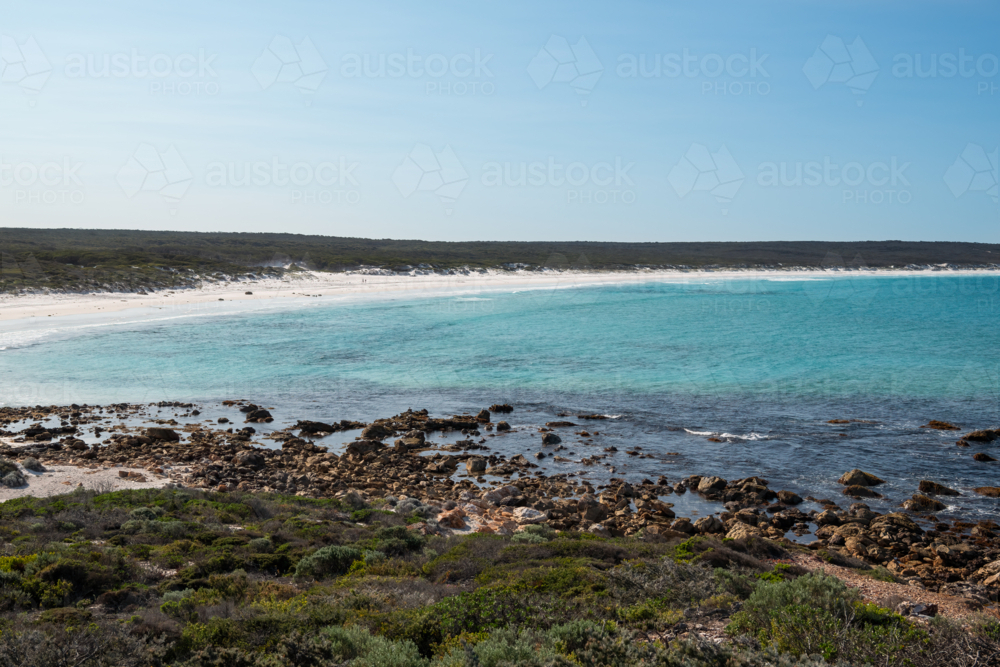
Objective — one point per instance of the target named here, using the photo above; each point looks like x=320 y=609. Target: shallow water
x=759 y=364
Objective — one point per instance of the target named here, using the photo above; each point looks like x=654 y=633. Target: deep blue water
x=762 y=364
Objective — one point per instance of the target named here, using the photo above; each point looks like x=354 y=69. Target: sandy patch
x=64 y=479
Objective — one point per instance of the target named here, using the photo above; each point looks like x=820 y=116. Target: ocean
x=759 y=364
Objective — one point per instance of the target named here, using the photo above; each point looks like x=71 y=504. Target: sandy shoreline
x=356 y=285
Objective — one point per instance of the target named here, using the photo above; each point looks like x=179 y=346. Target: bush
x=7 y=466
x=328 y=561
x=32 y=464
x=261 y=545
x=13 y=479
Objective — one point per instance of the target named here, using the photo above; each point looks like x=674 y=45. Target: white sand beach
x=357 y=285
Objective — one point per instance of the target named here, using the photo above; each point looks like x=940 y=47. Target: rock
x=551 y=439
x=452 y=519
x=250 y=459
x=982 y=458
x=988 y=571
x=898 y=521
x=924 y=610
x=360 y=448
x=985 y=435
x=524 y=515
x=683 y=525
x=559 y=424
x=475 y=464
x=163 y=434
x=595 y=513
x=789 y=498
x=483 y=417
x=502 y=426
x=858 y=491
x=742 y=531
x=857 y=477
x=711 y=484
x=664 y=532
x=354 y=500
x=935 y=489
x=940 y=426
x=919 y=503
x=539 y=455
x=827 y=518
x=259 y=416
x=600 y=530
x=376 y=432
x=504 y=408
x=708 y=525
x=988 y=491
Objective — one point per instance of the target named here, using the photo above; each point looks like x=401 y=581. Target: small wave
x=699 y=432
x=748 y=436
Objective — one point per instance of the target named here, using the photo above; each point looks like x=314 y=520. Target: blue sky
x=627 y=121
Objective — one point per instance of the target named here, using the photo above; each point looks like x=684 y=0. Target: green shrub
x=261 y=545
x=333 y=560
x=32 y=464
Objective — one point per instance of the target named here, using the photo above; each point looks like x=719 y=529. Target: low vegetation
x=195 y=579
x=129 y=260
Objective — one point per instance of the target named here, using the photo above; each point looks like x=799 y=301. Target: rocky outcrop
x=934 y=489
x=857 y=477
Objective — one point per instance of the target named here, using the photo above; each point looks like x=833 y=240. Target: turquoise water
x=760 y=363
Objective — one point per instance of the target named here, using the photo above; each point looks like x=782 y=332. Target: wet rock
x=919 y=503
x=789 y=498
x=985 y=435
x=858 y=491
x=935 y=489
x=988 y=491
x=559 y=424
x=502 y=426
x=162 y=434
x=483 y=417
x=502 y=408
x=857 y=477
x=475 y=465
x=551 y=439
x=940 y=425
x=707 y=484
x=982 y=458
x=259 y=416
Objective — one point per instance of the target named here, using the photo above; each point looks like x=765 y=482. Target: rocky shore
x=463 y=487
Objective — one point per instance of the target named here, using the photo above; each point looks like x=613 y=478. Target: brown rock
x=742 y=531
x=551 y=439
x=827 y=518
x=683 y=525
x=940 y=426
x=452 y=519
x=988 y=491
x=985 y=435
x=502 y=426
x=857 y=477
x=858 y=491
x=982 y=458
x=935 y=489
x=789 y=498
x=919 y=503
x=475 y=465
x=711 y=484
x=483 y=417
x=708 y=524
x=162 y=434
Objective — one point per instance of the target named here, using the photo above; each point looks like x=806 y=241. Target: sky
x=489 y=120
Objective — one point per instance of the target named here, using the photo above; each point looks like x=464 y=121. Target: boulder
x=827 y=518
x=595 y=513
x=919 y=503
x=940 y=426
x=376 y=432
x=476 y=464
x=163 y=434
x=360 y=448
x=551 y=439
x=709 y=525
x=742 y=531
x=501 y=407
x=524 y=515
x=452 y=519
x=985 y=435
x=483 y=417
x=857 y=477
x=711 y=484
x=502 y=426
x=259 y=416
x=683 y=525
x=988 y=491
x=982 y=458
x=789 y=498
x=250 y=459
x=935 y=489
x=858 y=491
